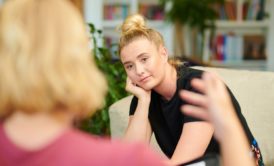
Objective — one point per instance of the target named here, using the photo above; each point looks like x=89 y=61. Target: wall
x=93 y=12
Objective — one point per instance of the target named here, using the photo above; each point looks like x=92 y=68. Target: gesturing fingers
x=198 y=84
x=194 y=98
x=197 y=112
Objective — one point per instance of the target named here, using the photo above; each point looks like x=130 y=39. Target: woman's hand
x=136 y=90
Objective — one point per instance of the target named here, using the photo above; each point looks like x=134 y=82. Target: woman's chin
x=147 y=87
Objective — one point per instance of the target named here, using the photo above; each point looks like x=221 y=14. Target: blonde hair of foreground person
x=48 y=78
x=45 y=63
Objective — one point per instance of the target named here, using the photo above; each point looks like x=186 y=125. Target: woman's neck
x=34 y=131
x=168 y=86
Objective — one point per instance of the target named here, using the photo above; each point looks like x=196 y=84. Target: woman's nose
x=139 y=69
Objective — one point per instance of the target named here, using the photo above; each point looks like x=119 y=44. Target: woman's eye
x=128 y=67
x=144 y=59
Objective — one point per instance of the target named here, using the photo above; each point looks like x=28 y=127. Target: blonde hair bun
x=132 y=23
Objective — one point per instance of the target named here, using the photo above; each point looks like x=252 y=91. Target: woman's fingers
x=130 y=85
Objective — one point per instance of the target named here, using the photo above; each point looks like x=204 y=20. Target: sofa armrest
x=119 y=115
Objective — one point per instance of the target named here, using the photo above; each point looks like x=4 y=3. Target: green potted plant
x=199 y=15
x=114 y=72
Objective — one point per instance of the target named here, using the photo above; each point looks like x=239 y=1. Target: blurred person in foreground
x=47 y=79
x=213 y=104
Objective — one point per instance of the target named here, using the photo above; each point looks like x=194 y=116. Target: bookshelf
x=242 y=37
x=236 y=26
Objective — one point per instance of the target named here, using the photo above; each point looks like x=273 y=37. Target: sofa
x=254 y=91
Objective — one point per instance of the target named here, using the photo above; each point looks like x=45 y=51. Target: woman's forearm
x=139 y=128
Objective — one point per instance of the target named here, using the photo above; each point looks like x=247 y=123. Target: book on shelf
x=220 y=11
x=115 y=11
x=235 y=48
x=254 y=47
x=225 y=11
x=230 y=10
x=261 y=12
x=227 y=47
x=255 y=10
x=111 y=42
x=152 y=11
x=250 y=10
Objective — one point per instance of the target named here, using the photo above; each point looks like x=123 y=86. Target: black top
x=167 y=120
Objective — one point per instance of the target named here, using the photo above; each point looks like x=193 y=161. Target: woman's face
x=144 y=63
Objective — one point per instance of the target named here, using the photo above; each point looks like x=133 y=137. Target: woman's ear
x=163 y=52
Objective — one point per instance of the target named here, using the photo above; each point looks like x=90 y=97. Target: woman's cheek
x=131 y=76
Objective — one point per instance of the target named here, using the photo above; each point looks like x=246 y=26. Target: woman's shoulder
x=185 y=74
x=188 y=72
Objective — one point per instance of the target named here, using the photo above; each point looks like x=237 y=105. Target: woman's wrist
x=144 y=100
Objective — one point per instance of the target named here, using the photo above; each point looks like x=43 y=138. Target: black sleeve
x=188 y=118
x=185 y=83
x=133 y=105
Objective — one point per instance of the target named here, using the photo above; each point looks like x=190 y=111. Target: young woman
x=47 y=79
x=155 y=84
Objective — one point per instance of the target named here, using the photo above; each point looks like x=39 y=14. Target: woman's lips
x=144 y=79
